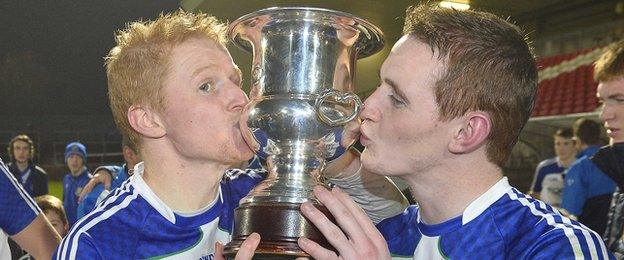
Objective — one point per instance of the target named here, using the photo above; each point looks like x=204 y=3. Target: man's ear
x=145 y=121
x=472 y=133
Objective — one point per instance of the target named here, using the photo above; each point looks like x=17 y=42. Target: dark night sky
x=51 y=52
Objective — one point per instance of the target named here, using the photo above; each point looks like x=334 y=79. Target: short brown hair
x=565 y=133
x=137 y=66
x=23 y=138
x=587 y=131
x=490 y=67
x=51 y=203
x=610 y=65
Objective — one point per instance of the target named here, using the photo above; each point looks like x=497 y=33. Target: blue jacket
x=119 y=175
x=72 y=186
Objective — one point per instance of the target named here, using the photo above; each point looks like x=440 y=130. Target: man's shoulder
x=548 y=162
x=549 y=166
x=530 y=226
x=124 y=209
x=40 y=170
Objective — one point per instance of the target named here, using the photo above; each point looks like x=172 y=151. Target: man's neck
x=183 y=185
x=22 y=166
x=77 y=173
x=446 y=191
x=566 y=162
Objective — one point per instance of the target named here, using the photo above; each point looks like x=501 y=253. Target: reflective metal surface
x=299 y=55
x=301 y=94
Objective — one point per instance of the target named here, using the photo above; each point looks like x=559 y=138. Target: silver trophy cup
x=301 y=98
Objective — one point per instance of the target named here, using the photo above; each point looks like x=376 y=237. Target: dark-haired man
x=455 y=92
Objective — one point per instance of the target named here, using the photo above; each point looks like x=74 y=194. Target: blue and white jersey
x=133 y=223
x=17 y=209
x=502 y=223
x=548 y=181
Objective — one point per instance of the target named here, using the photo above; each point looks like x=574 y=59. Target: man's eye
x=396 y=101
x=206 y=87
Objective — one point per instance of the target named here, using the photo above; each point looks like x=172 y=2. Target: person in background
x=107 y=178
x=548 y=180
x=52 y=207
x=588 y=191
x=75 y=180
x=609 y=73
x=21 y=219
x=33 y=178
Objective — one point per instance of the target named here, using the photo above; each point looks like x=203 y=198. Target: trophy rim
x=371 y=46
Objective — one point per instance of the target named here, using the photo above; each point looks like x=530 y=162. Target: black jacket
x=610 y=160
x=39 y=183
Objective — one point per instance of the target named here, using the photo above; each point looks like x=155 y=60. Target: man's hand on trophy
x=356 y=238
x=246 y=250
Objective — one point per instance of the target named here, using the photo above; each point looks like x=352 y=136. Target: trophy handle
x=339 y=97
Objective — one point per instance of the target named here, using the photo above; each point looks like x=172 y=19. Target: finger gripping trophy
x=301 y=98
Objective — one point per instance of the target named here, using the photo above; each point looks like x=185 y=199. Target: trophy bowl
x=301 y=96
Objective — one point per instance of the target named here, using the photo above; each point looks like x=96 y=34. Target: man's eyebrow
x=200 y=69
x=396 y=89
x=615 y=96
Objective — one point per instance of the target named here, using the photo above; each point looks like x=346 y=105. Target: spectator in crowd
x=32 y=177
x=52 y=207
x=75 y=180
x=107 y=178
x=609 y=73
x=21 y=219
x=548 y=180
x=447 y=128
x=587 y=192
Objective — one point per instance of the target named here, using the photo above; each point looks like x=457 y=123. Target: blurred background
x=53 y=80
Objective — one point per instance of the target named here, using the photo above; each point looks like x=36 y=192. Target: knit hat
x=76 y=148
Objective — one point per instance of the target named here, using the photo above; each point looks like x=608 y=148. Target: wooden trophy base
x=280 y=225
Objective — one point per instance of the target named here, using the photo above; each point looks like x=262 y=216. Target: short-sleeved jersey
x=548 y=181
x=133 y=223
x=72 y=186
x=17 y=209
x=502 y=223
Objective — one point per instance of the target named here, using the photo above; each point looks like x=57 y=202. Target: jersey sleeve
x=17 y=208
x=240 y=182
x=536 y=186
x=401 y=232
x=376 y=195
x=575 y=190
x=89 y=201
x=81 y=247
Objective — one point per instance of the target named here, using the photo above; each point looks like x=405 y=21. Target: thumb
x=219 y=251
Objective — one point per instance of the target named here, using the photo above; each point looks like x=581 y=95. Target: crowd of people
x=435 y=121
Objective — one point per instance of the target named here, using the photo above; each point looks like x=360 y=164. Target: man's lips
x=364 y=139
x=612 y=131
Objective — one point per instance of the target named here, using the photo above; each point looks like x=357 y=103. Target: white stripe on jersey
x=20 y=190
x=568 y=230
x=65 y=243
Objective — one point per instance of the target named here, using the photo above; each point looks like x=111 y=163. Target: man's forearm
x=376 y=194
